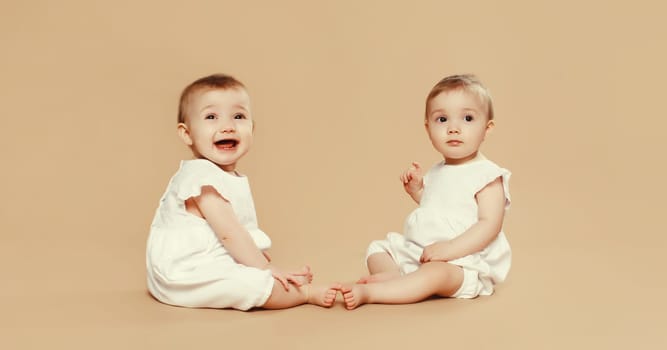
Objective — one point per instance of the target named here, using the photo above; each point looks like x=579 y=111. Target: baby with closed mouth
x=453 y=244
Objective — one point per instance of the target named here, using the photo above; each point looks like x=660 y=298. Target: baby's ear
x=489 y=126
x=184 y=134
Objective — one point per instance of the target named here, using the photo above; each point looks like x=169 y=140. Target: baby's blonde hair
x=466 y=82
x=214 y=81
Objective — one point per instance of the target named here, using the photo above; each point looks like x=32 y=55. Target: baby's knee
x=448 y=277
x=444 y=270
x=377 y=247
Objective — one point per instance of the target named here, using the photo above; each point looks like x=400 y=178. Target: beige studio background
x=89 y=92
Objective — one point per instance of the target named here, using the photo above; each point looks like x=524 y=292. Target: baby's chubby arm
x=490 y=212
x=413 y=181
x=235 y=238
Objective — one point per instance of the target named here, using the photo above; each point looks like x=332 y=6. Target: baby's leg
x=321 y=295
x=382 y=267
x=433 y=278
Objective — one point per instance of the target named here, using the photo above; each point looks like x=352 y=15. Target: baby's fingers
x=406 y=177
x=282 y=281
x=305 y=271
x=295 y=281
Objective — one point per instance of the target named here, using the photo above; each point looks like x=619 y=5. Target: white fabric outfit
x=447 y=209
x=186 y=263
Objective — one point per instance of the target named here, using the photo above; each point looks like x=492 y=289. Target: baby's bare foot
x=379 y=277
x=354 y=296
x=322 y=295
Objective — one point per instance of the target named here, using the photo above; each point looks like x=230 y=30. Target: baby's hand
x=438 y=251
x=303 y=276
x=296 y=278
x=412 y=179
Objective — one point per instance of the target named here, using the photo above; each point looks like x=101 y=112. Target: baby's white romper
x=447 y=209
x=186 y=263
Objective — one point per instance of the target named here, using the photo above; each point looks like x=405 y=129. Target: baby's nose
x=227 y=126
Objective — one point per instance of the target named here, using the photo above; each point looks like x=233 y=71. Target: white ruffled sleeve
x=488 y=173
x=194 y=175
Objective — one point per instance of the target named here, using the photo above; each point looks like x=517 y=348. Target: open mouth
x=226 y=144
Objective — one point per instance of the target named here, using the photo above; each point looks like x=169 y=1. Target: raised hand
x=413 y=181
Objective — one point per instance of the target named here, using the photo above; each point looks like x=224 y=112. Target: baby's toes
x=329 y=298
x=349 y=300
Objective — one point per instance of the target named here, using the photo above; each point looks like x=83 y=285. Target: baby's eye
x=441 y=119
x=210 y=116
x=239 y=116
x=469 y=118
